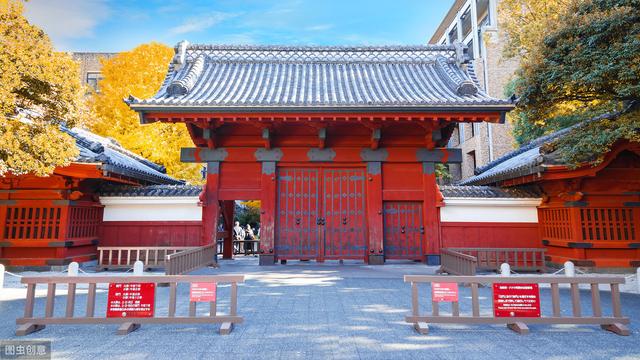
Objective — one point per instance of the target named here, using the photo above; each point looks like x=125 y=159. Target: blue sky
x=103 y=25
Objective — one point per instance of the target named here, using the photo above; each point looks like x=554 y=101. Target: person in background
x=249 y=232
x=238 y=235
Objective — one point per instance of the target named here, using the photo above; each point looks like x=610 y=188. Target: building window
x=461 y=133
x=465 y=20
x=453 y=35
x=471 y=157
x=469 y=50
x=482 y=9
x=475 y=129
x=92 y=80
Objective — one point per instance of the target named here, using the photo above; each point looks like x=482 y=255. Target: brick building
x=90 y=67
x=475 y=24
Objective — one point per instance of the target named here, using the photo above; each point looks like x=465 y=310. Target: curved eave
x=80 y=170
x=502 y=108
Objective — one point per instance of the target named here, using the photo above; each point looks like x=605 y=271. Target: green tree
x=248 y=212
x=42 y=82
x=140 y=73
x=588 y=63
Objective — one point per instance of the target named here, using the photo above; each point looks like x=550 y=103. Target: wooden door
x=297 y=225
x=344 y=214
x=403 y=230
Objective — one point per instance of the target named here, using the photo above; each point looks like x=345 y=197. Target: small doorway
x=239 y=227
x=403 y=230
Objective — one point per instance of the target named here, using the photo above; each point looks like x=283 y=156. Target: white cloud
x=320 y=27
x=201 y=23
x=67 y=19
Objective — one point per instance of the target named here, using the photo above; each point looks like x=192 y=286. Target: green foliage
x=442 y=173
x=591 y=142
x=587 y=64
x=248 y=212
x=525 y=23
x=591 y=58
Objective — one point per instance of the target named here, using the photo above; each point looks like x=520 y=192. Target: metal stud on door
x=344 y=220
x=403 y=230
x=297 y=228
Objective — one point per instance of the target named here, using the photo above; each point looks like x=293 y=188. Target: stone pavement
x=330 y=311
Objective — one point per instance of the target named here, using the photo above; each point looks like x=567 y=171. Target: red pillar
x=65 y=223
x=268 y=213
x=374 y=213
x=4 y=201
x=228 y=208
x=211 y=205
x=431 y=245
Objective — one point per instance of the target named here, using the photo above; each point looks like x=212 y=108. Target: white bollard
x=569 y=269
x=73 y=269
x=505 y=270
x=138 y=268
x=637 y=279
x=2 y=276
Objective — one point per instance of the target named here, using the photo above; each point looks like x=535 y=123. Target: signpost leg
x=422 y=328
x=226 y=328
x=127 y=327
x=617 y=328
x=519 y=327
x=26 y=329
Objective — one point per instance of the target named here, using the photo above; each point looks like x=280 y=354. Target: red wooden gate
x=320 y=214
x=297 y=230
x=344 y=221
x=403 y=230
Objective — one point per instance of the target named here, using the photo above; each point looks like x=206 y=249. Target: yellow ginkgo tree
x=39 y=91
x=140 y=73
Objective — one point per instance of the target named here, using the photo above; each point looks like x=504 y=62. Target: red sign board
x=444 y=292
x=131 y=300
x=203 y=292
x=516 y=300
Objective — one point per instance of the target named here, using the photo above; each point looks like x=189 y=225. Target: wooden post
x=431 y=245
x=267 y=213
x=211 y=206
x=228 y=208
x=374 y=213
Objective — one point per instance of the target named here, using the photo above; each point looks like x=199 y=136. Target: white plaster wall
x=151 y=209
x=489 y=210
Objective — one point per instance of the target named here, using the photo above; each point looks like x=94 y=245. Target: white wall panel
x=151 y=209
x=489 y=210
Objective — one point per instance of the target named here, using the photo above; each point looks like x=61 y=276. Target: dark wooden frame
x=466 y=261
x=615 y=323
x=28 y=323
x=123 y=257
x=190 y=259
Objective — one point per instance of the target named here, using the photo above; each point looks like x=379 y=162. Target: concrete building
x=90 y=67
x=475 y=24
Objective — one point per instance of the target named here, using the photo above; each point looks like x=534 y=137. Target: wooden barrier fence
x=457 y=263
x=466 y=261
x=116 y=257
x=29 y=323
x=615 y=322
x=190 y=259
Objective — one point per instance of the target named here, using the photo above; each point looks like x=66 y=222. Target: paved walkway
x=330 y=311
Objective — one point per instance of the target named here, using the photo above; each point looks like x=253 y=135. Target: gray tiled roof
x=116 y=159
x=454 y=191
x=527 y=160
x=151 y=190
x=256 y=77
